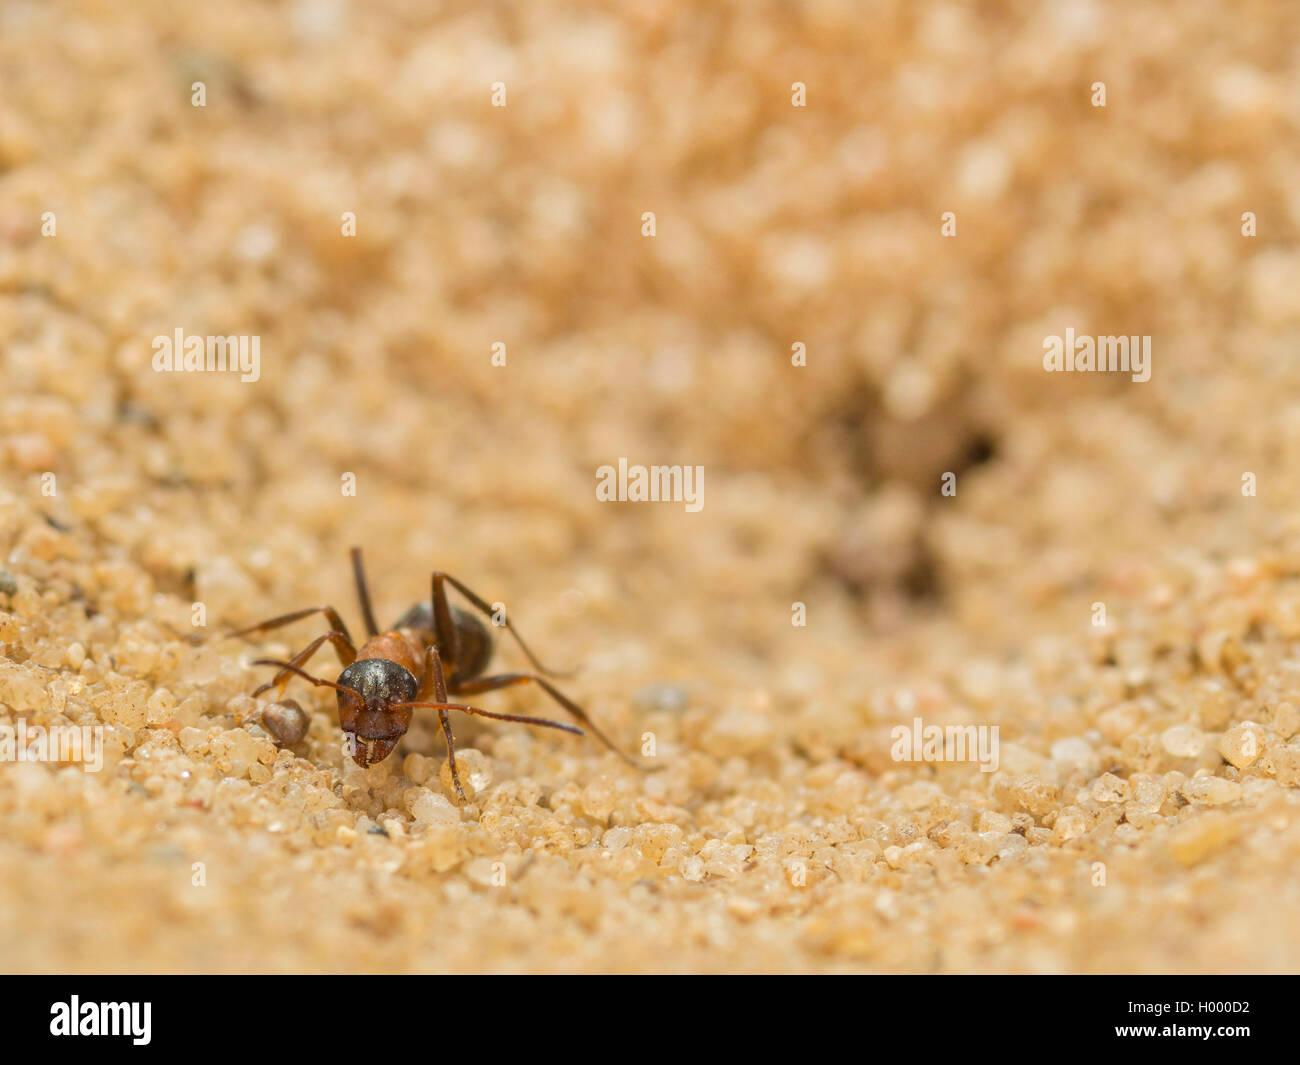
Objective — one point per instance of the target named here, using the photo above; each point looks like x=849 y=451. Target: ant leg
x=435 y=680
x=433 y=676
x=363 y=594
x=510 y=680
x=446 y=630
x=347 y=655
x=331 y=615
x=451 y=754
x=475 y=711
x=317 y=681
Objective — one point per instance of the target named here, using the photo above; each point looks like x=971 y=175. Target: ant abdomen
x=474 y=642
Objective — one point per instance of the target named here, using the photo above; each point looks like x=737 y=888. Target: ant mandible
x=434 y=651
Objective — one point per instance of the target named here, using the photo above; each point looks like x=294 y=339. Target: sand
x=1110 y=577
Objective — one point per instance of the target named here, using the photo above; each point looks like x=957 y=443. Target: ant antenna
x=307 y=676
x=363 y=594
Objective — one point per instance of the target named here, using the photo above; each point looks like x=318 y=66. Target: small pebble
x=286 y=721
x=1242 y=744
x=1183 y=741
x=429 y=808
x=472 y=768
x=1211 y=791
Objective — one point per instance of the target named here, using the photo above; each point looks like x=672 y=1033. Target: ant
x=435 y=650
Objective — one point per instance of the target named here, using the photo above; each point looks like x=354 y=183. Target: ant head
x=366 y=690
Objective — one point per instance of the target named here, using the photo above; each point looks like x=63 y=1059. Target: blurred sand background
x=780 y=835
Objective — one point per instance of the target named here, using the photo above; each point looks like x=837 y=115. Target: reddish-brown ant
x=435 y=650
